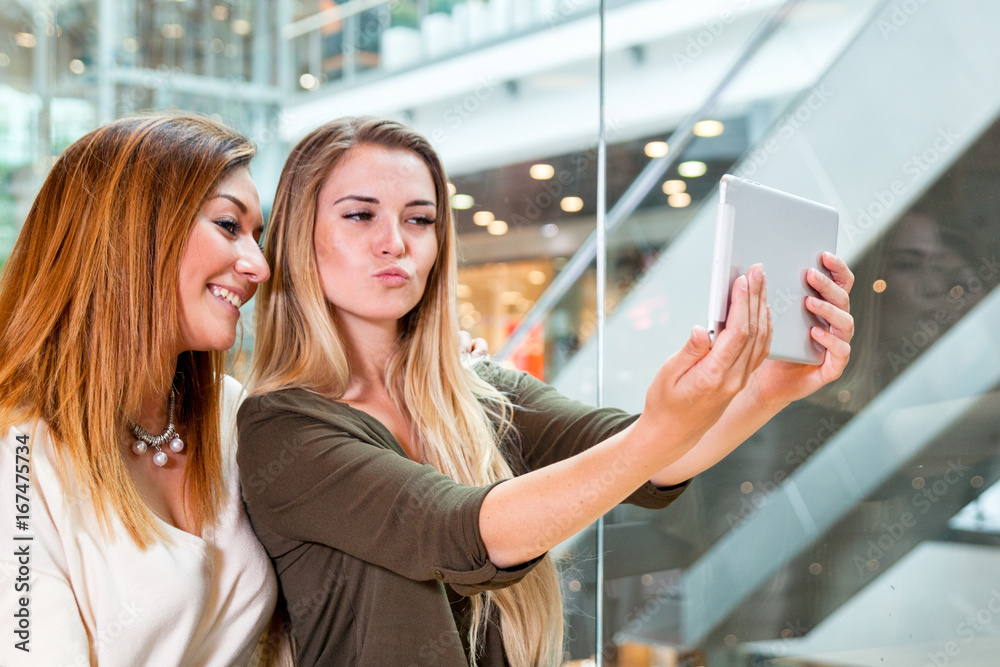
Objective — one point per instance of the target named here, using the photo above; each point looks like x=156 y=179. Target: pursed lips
x=392 y=276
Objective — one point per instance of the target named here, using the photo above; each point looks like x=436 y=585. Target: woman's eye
x=422 y=220
x=229 y=225
x=359 y=215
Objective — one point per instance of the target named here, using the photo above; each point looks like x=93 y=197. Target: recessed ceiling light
x=673 y=187
x=463 y=202
x=497 y=228
x=483 y=218
x=541 y=172
x=679 y=200
x=708 y=128
x=656 y=149
x=571 y=204
x=692 y=169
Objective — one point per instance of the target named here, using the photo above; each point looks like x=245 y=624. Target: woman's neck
x=369 y=347
x=154 y=406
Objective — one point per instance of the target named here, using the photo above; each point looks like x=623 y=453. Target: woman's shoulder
x=500 y=377
x=297 y=400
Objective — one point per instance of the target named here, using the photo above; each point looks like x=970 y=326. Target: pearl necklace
x=143 y=438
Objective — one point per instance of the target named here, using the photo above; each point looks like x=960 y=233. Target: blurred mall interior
x=859 y=527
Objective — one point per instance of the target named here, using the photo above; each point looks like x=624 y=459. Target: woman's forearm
x=526 y=516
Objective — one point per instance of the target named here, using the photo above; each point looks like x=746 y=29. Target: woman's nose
x=252 y=263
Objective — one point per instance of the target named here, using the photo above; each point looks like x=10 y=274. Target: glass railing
x=333 y=43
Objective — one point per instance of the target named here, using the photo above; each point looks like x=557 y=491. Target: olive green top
x=374 y=551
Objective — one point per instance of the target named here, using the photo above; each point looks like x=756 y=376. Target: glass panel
x=855 y=528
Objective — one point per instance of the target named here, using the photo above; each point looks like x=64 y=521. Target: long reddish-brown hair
x=89 y=306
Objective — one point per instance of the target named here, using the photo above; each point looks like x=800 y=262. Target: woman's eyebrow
x=361 y=198
x=239 y=204
x=374 y=200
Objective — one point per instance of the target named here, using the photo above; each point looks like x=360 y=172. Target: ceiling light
x=537 y=277
x=550 y=230
x=463 y=291
x=497 y=228
x=308 y=81
x=241 y=27
x=220 y=12
x=879 y=286
x=4 y=60
x=692 y=169
x=571 y=204
x=25 y=40
x=708 y=128
x=674 y=187
x=483 y=218
x=463 y=202
x=452 y=190
x=76 y=66
x=656 y=149
x=679 y=200
x=541 y=172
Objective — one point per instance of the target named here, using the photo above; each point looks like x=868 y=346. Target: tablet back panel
x=787 y=234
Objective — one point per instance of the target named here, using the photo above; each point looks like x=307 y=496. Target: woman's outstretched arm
x=777 y=383
x=524 y=517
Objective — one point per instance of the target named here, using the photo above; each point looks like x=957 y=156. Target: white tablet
x=787 y=234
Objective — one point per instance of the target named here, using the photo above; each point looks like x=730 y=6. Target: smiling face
x=221 y=265
x=375 y=235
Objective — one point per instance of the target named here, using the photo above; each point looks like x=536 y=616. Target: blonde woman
x=128 y=537
x=374 y=463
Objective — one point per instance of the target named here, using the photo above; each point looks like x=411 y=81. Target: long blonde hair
x=460 y=419
x=88 y=307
